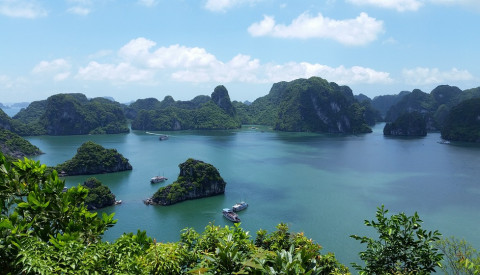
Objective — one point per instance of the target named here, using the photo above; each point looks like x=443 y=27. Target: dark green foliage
x=314 y=105
x=197 y=179
x=33 y=209
x=15 y=146
x=383 y=103
x=445 y=94
x=402 y=247
x=463 y=123
x=201 y=113
x=99 y=195
x=92 y=158
x=32 y=113
x=221 y=98
x=417 y=101
x=408 y=124
x=74 y=114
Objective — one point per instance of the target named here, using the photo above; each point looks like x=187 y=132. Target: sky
x=134 y=49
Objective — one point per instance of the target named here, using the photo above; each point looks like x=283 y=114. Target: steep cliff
x=91 y=159
x=463 y=122
x=197 y=179
x=315 y=105
x=200 y=113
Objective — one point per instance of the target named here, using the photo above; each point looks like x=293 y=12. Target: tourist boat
x=444 y=141
x=157 y=179
x=230 y=215
x=239 y=206
x=163 y=137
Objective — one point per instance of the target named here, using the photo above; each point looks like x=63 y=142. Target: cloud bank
x=354 y=32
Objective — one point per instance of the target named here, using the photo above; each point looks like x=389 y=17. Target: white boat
x=157 y=179
x=230 y=215
x=239 y=206
x=444 y=141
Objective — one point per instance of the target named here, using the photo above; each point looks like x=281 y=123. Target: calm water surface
x=323 y=185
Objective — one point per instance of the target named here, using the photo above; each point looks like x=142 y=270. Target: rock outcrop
x=92 y=159
x=15 y=146
x=197 y=179
x=408 y=124
x=99 y=195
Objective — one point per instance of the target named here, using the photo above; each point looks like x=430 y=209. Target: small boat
x=118 y=202
x=157 y=179
x=230 y=215
x=444 y=141
x=239 y=206
x=163 y=137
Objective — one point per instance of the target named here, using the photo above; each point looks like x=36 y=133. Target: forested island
x=92 y=158
x=302 y=105
x=15 y=147
x=45 y=230
x=99 y=195
x=197 y=179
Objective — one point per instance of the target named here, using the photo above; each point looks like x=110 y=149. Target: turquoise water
x=323 y=185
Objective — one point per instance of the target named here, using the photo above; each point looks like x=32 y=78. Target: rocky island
x=15 y=147
x=99 y=195
x=92 y=158
x=197 y=179
x=408 y=124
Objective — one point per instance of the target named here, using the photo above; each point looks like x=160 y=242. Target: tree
x=34 y=208
x=403 y=246
x=459 y=257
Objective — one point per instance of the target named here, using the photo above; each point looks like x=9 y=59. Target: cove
x=323 y=185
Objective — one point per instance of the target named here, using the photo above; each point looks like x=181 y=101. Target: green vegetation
x=46 y=231
x=92 y=158
x=308 y=105
x=201 y=113
x=99 y=195
x=407 y=124
x=197 y=179
x=403 y=247
x=70 y=114
x=459 y=257
x=463 y=123
x=34 y=212
x=14 y=146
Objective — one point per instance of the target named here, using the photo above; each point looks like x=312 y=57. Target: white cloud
x=80 y=7
x=51 y=66
x=174 y=56
x=224 y=5
x=22 y=9
x=78 y=10
x=9 y=83
x=465 y=3
x=426 y=76
x=59 y=68
x=358 y=31
x=140 y=61
x=147 y=3
x=118 y=73
x=340 y=74
x=399 y=5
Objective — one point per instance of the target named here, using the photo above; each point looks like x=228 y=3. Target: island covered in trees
x=302 y=105
x=92 y=158
x=197 y=179
x=45 y=230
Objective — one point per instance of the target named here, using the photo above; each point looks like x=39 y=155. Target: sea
x=321 y=184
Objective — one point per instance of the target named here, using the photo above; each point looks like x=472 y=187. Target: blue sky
x=183 y=48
